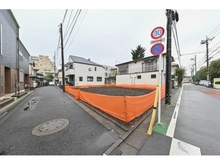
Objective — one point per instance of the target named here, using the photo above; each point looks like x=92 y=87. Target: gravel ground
x=117 y=91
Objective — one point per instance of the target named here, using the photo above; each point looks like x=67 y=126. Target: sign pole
x=159 y=99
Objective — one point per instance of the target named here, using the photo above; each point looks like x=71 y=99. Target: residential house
x=112 y=76
x=14 y=58
x=141 y=71
x=81 y=71
x=107 y=73
x=58 y=77
x=32 y=73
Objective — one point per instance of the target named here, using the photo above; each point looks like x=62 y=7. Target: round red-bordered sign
x=157 y=49
x=157 y=32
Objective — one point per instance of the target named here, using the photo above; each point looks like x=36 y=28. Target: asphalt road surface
x=199 y=118
x=83 y=135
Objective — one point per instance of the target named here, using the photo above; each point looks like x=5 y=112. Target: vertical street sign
x=157 y=49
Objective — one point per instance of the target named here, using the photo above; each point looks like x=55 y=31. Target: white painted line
x=172 y=125
x=3 y=114
x=181 y=148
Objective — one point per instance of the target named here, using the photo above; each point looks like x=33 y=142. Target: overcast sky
x=106 y=36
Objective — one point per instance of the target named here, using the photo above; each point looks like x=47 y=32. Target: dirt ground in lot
x=117 y=91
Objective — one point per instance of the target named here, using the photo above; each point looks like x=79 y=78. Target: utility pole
x=195 y=68
x=168 y=56
x=207 y=58
x=207 y=54
x=62 y=55
x=54 y=66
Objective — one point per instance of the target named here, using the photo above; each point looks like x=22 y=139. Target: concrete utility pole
x=195 y=66
x=62 y=55
x=207 y=54
x=171 y=16
x=54 y=66
x=168 y=56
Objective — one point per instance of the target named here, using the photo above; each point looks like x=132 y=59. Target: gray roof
x=83 y=61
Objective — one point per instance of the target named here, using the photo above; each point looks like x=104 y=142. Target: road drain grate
x=50 y=127
x=116 y=151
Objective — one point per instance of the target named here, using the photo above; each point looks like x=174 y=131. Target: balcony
x=69 y=72
x=144 y=69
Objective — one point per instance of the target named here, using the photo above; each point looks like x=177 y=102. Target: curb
x=14 y=103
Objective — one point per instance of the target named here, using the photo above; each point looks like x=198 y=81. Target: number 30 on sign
x=158 y=32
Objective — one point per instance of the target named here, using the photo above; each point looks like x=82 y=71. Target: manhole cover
x=50 y=127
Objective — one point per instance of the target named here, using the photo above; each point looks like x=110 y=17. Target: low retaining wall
x=125 y=108
x=6 y=102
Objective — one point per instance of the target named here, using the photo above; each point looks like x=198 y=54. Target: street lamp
x=207 y=54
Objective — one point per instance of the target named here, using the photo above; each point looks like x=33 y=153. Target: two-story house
x=13 y=55
x=141 y=71
x=81 y=71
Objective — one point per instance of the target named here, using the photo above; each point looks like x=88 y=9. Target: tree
x=48 y=77
x=214 y=70
x=138 y=53
x=201 y=74
x=180 y=73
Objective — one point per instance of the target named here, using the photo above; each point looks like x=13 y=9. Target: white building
x=108 y=73
x=141 y=71
x=81 y=71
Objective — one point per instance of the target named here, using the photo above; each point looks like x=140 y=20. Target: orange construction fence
x=125 y=108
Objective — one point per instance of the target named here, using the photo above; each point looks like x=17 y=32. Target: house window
x=106 y=74
x=80 y=78
x=20 y=53
x=99 y=79
x=21 y=76
x=95 y=68
x=139 y=77
x=89 y=78
x=153 y=76
x=0 y=39
x=89 y=69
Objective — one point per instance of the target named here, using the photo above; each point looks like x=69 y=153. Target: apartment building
x=43 y=64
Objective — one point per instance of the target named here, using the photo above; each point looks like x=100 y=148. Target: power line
x=64 y=16
x=177 y=38
x=213 y=31
x=72 y=28
x=68 y=22
x=71 y=23
x=77 y=29
x=175 y=41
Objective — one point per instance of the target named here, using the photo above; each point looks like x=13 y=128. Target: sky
x=107 y=35
x=110 y=29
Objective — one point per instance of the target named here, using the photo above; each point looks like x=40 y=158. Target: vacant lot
x=117 y=91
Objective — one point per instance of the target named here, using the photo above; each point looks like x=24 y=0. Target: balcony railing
x=139 y=69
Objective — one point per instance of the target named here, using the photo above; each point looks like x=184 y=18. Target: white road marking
x=3 y=114
x=172 y=125
x=181 y=148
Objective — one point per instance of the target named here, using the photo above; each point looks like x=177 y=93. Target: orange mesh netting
x=125 y=108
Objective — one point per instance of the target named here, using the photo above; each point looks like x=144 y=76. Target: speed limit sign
x=157 y=32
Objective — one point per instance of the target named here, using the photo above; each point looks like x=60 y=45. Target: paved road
x=83 y=136
x=199 y=119
x=196 y=130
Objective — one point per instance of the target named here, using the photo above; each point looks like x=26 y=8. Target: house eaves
x=13 y=17
x=81 y=60
x=141 y=59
